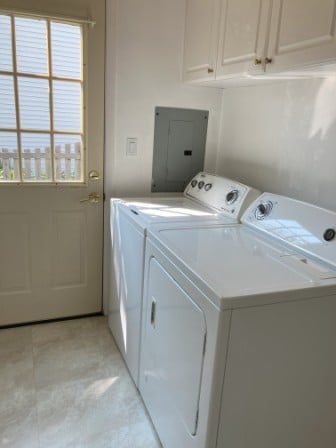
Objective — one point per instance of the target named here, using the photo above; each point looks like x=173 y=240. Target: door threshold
x=48 y=321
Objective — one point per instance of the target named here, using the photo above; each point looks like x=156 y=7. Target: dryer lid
x=232 y=262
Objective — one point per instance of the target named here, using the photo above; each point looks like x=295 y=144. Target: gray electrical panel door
x=179 y=147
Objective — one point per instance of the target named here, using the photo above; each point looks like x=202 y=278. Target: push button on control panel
x=329 y=234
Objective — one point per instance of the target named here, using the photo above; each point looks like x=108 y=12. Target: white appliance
x=239 y=330
x=207 y=198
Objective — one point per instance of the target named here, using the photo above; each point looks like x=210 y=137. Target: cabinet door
x=201 y=39
x=302 y=33
x=243 y=32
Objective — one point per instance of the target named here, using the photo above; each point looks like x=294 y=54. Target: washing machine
x=207 y=199
x=239 y=330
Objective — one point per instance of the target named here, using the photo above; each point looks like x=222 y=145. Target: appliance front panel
x=279 y=387
x=172 y=357
x=126 y=295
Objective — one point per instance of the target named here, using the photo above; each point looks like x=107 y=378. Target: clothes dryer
x=239 y=335
x=208 y=199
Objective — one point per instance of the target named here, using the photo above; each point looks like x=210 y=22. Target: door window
x=41 y=101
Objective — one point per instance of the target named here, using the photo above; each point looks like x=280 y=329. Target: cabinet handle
x=257 y=61
x=210 y=70
x=153 y=313
x=268 y=60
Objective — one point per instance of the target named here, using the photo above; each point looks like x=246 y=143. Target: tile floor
x=64 y=385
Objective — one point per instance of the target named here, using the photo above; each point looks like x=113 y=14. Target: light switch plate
x=131 y=146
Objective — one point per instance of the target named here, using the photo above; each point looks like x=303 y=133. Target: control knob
x=194 y=183
x=263 y=210
x=200 y=184
x=231 y=197
x=207 y=187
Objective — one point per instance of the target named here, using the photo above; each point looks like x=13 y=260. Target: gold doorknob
x=257 y=61
x=94 y=175
x=93 y=198
x=268 y=60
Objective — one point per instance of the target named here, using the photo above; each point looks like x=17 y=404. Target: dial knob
x=263 y=210
x=231 y=197
x=207 y=187
x=194 y=183
x=329 y=234
x=200 y=184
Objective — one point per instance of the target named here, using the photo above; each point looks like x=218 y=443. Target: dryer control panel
x=224 y=195
x=306 y=227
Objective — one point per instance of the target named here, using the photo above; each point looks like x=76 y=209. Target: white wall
x=282 y=138
x=144 y=41
x=144 y=57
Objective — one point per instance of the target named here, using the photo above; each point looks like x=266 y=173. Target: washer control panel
x=304 y=226
x=228 y=197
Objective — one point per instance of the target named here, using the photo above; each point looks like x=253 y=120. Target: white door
x=50 y=242
x=201 y=39
x=302 y=32
x=243 y=32
x=173 y=347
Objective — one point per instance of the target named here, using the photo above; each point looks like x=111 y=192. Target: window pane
x=7 y=102
x=5 y=44
x=36 y=160
x=34 y=103
x=68 y=157
x=31 y=45
x=9 y=157
x=66 y=50
x=67 y=106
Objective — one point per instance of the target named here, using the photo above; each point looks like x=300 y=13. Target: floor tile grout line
x=35 y=389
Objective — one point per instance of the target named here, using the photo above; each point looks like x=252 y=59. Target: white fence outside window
x=36 y=164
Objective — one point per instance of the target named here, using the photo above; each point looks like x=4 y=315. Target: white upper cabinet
x=201 y=39
x=258 y=39
x=302 y=34
x=243 y=32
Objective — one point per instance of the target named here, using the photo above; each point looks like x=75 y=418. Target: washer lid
x=232 y=262
x=170 y=210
